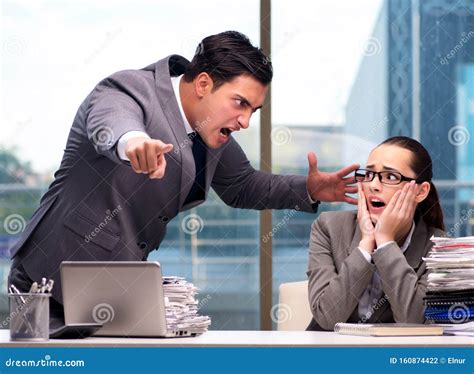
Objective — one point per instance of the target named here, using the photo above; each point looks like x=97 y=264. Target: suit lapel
x=413 y=254
x=175 y=65
x=417 y=248
x=356 y=238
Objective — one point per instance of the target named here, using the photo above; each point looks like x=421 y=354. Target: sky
x=55 y=52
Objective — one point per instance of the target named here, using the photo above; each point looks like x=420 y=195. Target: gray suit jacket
x=97 y=208
x=339 y=274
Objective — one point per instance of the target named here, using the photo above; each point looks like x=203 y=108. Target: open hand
x=397 y=217
x=330 y=186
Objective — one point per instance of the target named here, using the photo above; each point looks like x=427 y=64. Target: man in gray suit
x=147 y=144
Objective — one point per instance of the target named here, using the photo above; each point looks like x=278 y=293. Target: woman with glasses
x=366 y=266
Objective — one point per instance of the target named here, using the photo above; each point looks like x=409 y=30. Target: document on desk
x=449 y=297
x=451 y=264
x=465 y=329
x=182 y=307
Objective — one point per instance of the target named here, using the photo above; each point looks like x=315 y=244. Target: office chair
x=292 y=311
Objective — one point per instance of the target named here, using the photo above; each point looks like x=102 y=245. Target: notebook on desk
x=387 y=329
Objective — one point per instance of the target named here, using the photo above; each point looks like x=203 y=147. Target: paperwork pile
x=459 y=329
x=181 y=306
x=450 y=290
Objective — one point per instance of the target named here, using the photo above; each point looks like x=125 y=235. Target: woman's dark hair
x=227 y=55
x=421 y=164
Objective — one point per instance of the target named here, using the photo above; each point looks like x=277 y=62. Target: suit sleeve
x=402 y=285
x=239 y=185
x=115 y=107
x=334 y=294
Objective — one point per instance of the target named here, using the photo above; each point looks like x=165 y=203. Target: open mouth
x=376 y=203
x=225 y=131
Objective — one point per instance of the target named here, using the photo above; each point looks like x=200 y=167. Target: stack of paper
x=459 y=329
x=450 y=290
x=182 y=307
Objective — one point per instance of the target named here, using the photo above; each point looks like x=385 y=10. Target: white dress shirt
x=122 y=143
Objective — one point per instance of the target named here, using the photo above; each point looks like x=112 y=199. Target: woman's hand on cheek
x=366 y=226
x=397 y=217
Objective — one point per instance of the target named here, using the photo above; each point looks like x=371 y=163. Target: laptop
x=126 y=297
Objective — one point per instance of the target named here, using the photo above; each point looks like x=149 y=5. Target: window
x=53 y=55
x=349 y=75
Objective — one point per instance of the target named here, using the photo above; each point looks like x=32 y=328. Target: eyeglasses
x=385 y=177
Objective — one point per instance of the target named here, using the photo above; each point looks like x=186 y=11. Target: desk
x=253 y=339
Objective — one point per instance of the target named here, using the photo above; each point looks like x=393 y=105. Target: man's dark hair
x=227 y=55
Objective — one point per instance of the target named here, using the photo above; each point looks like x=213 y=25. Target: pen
x=49 y=286
x=17 y=291
x=34 y=287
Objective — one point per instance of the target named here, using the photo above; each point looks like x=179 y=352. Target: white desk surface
x=253 y=339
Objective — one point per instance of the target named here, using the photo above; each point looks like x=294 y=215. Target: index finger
x=161 y=147
x=351 y=200
x=409 y=202
x=349 y=180
x=361 y=195
x=393 y=201
x=347 y=170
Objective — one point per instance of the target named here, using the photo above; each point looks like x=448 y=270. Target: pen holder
x=29 y=316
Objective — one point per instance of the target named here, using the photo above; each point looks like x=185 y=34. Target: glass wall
x=360 y=72
x=316 y=61
x=348 y=74
x=53 y=54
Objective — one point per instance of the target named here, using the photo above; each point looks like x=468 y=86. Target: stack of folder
x=182 y=307
x=450 y=290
